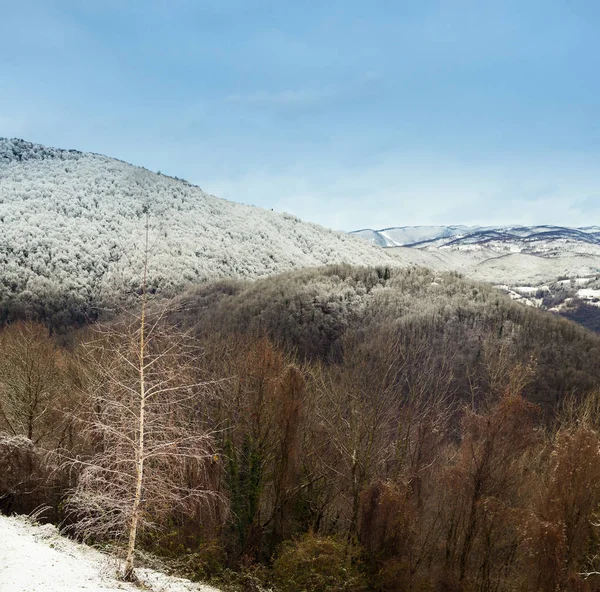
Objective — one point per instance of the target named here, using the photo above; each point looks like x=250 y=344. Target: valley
x=300 y=296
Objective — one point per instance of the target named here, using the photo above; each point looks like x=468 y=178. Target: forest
x=339 y=428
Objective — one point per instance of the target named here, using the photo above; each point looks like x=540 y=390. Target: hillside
x=315 y=311
x=73 y=224
x=515 y=256
x=331 y=399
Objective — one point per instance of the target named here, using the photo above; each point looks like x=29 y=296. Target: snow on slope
x=73 y=222
x=399 y=236
x=37 y=559
x=589 y=296
x=529 y=263
x=511 y=255
x=373 y=236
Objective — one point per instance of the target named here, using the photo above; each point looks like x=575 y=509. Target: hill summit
x=73 y=224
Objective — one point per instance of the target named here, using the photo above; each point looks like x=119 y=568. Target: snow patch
x=36 y=558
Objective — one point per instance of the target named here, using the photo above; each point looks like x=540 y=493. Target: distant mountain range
x=536 y=240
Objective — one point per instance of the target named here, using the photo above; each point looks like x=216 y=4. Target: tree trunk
x=137 y=500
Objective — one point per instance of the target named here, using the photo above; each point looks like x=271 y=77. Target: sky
x=348 y=113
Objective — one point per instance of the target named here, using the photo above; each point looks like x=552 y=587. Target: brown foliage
x=483 y=485
x=35 y=376
x=318 y=564
x=371 y=454
x=563 y=538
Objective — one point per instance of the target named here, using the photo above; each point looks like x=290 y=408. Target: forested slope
x=314 y=311
x=73 y=225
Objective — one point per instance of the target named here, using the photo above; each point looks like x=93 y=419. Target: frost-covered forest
x=72 y=225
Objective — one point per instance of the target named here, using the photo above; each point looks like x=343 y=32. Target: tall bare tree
x=151 y=451
x=382 y=413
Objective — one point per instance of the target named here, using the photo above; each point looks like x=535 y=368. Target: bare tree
x=383 y=413
x=151 y=452
x=34 y=374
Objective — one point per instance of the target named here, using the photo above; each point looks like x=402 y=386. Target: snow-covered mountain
x=536 y=240
x=72 y=229
x=512 y=255
x=72 y=226
x=404 y=236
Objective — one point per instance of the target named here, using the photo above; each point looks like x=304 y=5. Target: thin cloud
x=283 y=98
x=362 y=87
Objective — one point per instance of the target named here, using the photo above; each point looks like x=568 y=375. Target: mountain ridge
x=73 y=223
x=459 y=235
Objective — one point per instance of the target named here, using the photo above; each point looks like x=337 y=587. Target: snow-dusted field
x=514 y=269
x=37 y=559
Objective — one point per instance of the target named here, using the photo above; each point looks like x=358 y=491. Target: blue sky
x=347 y=113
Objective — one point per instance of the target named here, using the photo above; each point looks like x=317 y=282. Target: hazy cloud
x=399 y=191
x=282 y=98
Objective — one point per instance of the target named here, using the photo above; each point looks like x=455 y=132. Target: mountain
x=517 y=255
x=73 y=230
x=552 y=267
x=537 y=240
x=403 y=236
x=73 y=227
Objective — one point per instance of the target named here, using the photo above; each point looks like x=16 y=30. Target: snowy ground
x=37 y=559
